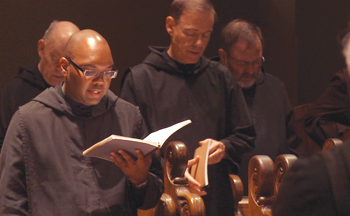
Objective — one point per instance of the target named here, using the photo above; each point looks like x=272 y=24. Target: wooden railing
x=176 y=199
x=264 y=179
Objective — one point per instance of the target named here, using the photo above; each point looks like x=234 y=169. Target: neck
x=39 y=67
x=170 y=53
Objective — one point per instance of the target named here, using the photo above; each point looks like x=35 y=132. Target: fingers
x=122 y=159
x=204 y=141
x=194 y=186
x=215 y=145
x=139 y=171
x=136 y=170
x=191 y=180
x=215 y=157
x=117 y=159
x=193 y=161
x=216 y=152
x=142 y=159
x=126 y=156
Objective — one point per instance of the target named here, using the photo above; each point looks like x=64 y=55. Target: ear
x=64 y=66
x=41 y=47
x=223 y=56
x=169 y=25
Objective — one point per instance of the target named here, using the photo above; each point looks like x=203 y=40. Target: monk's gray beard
x=245 y=85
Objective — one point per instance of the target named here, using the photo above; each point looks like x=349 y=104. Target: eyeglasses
x=93 y=73
x=247 y=63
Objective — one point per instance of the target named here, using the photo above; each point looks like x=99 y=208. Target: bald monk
x=43 y=171
x=32 y=80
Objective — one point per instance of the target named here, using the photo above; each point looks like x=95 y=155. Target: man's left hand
x=216 y=151
x=136 y=170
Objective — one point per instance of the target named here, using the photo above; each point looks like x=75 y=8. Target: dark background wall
x=301 y=36
x=320 y=26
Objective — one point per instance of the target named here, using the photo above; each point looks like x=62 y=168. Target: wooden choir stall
x=176 y=199
x=264 y=179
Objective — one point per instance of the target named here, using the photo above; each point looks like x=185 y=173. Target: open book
x=148 y=145
x=200 y=171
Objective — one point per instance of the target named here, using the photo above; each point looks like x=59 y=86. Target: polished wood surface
x=237 y=191
x=260 y=185
x=265 y=177
x=176 y=199
x=331 y=143
x=282 y=165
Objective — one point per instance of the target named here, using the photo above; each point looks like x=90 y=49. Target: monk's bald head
x=51 y=47
x=85 y=42
x=60 y=30
x=87 y=52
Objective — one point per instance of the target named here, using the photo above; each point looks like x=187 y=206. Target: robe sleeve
x=147 y=197
x=14 y=194
x=240 y=130
x=126 y=91
x=329 y=115
x=305 y=190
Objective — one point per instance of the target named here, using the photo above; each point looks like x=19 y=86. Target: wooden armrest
x=331 y=143
x=282 y=165
x=260 y=184
x=237 y=191
x=175 y=183
x=264 y=179
x=237 y=187
x=265 y=201
x=166 y=206
x=176 y=199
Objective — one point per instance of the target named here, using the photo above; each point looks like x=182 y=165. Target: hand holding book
x=137 y=171
x=217 y=151
x=194 y=185
x=199 y=171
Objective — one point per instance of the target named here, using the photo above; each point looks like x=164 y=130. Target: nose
x=199 y=41
x=249 y=69
x=99 y=79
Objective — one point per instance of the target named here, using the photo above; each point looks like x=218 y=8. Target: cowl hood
x=32 y=75
x=262 y=77
x=159 y=58
x=54 y=98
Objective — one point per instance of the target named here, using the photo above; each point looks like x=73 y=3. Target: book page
x=114 y=142
x=151 y=143
x=162 y=135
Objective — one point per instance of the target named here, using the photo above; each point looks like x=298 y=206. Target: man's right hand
x=194 y=186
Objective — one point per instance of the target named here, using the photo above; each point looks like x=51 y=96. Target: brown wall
x=300 y=48
x=319 y=25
